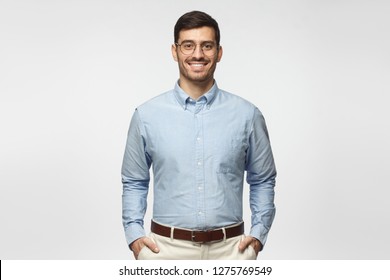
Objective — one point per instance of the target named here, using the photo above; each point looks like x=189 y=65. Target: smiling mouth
x=196 y=65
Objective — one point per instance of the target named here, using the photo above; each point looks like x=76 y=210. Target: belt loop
x=172 y=230
x=224 y=234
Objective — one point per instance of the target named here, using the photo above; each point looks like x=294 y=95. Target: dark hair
x=196 y=19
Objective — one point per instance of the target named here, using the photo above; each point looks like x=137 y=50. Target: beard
x=202 y=75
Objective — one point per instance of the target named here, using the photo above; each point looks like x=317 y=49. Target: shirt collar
x=182 y=97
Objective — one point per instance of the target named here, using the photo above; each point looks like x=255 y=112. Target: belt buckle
x=193 y=236
x=208 y=238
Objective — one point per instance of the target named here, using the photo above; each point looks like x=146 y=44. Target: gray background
x=72 y=72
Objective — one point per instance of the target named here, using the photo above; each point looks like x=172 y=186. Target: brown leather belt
x=196 y=235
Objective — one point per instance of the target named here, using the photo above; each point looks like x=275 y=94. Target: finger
x=245 y=243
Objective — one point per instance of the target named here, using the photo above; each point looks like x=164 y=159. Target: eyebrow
x=191 y=41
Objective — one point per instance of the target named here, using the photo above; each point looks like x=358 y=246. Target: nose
x=198 y=52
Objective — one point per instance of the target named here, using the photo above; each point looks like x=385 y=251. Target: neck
x=196 y=89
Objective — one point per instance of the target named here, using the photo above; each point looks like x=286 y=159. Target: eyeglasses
x=188 y=47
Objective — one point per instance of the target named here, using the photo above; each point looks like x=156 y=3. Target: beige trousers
x=175 y=249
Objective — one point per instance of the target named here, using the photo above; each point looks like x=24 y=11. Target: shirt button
x=199 y=163
x=200 y=187
x=198 y=139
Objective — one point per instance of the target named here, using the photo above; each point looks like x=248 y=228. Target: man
x=199 y=141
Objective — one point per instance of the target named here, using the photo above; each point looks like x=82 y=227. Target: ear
x=219 y=55
x=174 y=51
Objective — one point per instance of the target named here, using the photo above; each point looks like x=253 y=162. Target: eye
x=188 y=46
x=208 y=46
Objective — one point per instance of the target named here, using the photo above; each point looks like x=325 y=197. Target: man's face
x=199 y=66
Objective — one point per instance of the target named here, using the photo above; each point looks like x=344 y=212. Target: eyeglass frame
x=200 y=44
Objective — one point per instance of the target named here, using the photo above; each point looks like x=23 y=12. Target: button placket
x=199 y=157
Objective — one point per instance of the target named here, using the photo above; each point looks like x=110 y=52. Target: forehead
x=200 y=34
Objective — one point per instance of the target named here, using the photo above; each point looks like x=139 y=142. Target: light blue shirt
x=199 y=151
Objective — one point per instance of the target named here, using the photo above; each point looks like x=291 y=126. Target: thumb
x=151 y=245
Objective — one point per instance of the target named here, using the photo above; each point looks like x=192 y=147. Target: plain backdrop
x=72 y=73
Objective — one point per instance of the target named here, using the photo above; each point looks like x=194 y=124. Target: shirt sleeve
x=135 y=180
x=261 y=174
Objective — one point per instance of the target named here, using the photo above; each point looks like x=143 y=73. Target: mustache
x=198 y=60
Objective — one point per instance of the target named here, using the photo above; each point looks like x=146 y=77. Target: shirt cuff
x=259 y=232
x=133 y=232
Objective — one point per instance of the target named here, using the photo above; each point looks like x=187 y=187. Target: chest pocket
x=230 y=152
